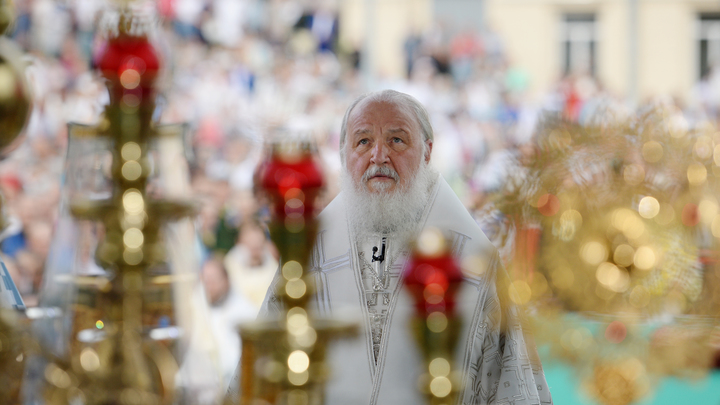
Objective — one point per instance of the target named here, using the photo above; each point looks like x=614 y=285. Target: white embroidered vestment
x=382 y=365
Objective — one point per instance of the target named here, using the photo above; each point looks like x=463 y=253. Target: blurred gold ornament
x=634 y=174
x=696 y=173
x=7 y=15
x=708 y=209
x=626 y=210
x=12 y=356
x=613 y=253
x=618 y=383
x=15 y=99
x=703 y=148
x=652 y=151
x=649 y=207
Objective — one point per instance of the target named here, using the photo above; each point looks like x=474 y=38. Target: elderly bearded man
x=389 y=192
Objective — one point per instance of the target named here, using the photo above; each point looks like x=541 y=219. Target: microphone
x=382 y=252
x=379 y=259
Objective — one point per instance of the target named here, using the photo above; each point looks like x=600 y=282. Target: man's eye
x=397 y=140
x=363 y=142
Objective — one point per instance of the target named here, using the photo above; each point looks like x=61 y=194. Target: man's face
x=215 y=282
x=383 y=135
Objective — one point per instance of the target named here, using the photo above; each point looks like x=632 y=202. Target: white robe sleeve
x=504 y=368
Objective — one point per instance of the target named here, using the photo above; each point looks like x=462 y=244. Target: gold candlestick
x=432 y=277
x=119 y=364
x=283 y=359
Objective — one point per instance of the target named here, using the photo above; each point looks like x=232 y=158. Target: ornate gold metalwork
x=622 y=282
x=116 y=363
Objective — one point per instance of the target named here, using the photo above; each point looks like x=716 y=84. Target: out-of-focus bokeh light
x=628 y=222
x=644 y=258
x=649 y=207
x=441 y=386
x=298 y=361
x=616 y=332
x=437 y=322
x=623 y=255
x=689 y=215
x=431 y=242
x=613 y=277
x=634 y=174
x=652 y=151
x=594 y=252
x=696 y=174
x=439 y=367
x=548 y=205
x=708 y=210
x=570 y=223
x=703 y=148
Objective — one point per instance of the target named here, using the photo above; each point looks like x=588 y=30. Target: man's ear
x=428 y=150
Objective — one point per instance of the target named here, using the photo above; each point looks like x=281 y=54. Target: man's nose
x=379 y=154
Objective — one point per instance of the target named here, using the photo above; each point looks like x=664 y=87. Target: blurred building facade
x=637 y=49
x=383 y=27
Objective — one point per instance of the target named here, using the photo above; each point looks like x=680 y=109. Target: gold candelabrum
x=283 y=356
x=433 y=277
x=120 y=365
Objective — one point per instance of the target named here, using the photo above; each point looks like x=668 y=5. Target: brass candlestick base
x=12 y=358
x=120 y=368
x=284 y=360
x=433 y=277
x=437 y=336
x=121 y=361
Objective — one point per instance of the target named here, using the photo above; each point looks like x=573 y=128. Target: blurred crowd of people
x=240 y=72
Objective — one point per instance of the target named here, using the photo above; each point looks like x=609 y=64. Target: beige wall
x=667 y=48
x=528 y=30
x=614 y=48
x=392 y=22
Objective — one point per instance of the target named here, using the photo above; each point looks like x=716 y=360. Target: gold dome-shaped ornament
x=15 y=99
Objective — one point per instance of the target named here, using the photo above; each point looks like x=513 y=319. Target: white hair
x=394 y=97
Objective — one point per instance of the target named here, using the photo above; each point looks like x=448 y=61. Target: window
x=579 y=43
x=709 y=42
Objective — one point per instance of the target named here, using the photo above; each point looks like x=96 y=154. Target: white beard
x=395 y=212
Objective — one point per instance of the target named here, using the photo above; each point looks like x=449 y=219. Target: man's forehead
x=393 y=113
